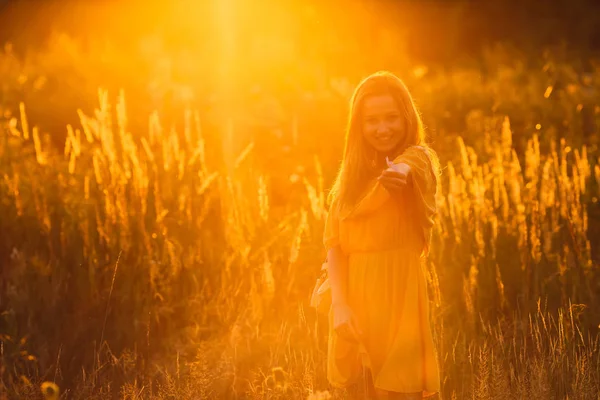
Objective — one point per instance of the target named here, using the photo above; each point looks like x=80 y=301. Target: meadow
x=174 y=258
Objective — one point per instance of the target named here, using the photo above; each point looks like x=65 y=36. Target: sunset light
x=299 y=199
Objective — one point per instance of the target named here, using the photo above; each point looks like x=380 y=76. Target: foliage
x=177 y=261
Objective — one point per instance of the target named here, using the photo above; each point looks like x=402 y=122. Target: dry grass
x=209 y=296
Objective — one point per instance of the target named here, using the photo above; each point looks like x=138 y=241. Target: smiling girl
x=377 y=236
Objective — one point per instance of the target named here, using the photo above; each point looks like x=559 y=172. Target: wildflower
x=50 y=390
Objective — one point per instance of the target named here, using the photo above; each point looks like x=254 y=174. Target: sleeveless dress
x=387 y=240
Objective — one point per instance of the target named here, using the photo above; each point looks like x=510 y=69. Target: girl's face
x=382 y=123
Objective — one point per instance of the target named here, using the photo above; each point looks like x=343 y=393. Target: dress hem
x=425 y=392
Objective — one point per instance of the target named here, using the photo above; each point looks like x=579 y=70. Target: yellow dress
x=386 y=240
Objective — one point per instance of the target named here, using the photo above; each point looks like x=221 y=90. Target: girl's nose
x=382 y=128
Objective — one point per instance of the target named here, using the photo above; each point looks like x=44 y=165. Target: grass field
x=148 y=265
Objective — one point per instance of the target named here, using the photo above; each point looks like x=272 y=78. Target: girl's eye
x=392 y=118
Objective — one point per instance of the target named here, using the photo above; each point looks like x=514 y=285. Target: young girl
x=377 y=235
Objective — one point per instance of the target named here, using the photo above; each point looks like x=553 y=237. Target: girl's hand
x=345 y=323
x=396 y=177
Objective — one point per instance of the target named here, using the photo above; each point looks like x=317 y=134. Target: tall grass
x=151 y=266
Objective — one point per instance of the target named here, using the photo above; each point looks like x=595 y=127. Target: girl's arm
x=344 y=320
x=337 y=270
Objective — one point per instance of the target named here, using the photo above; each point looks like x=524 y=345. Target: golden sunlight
x=299 y=199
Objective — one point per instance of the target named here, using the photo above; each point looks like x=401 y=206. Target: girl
x=377 y=234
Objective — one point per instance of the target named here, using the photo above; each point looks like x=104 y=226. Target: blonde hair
x=359 y=164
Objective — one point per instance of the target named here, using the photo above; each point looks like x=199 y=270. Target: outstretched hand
x=396 y=177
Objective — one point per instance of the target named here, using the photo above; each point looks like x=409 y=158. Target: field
x=173 y=258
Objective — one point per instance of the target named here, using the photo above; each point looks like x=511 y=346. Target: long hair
x=360 y=162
